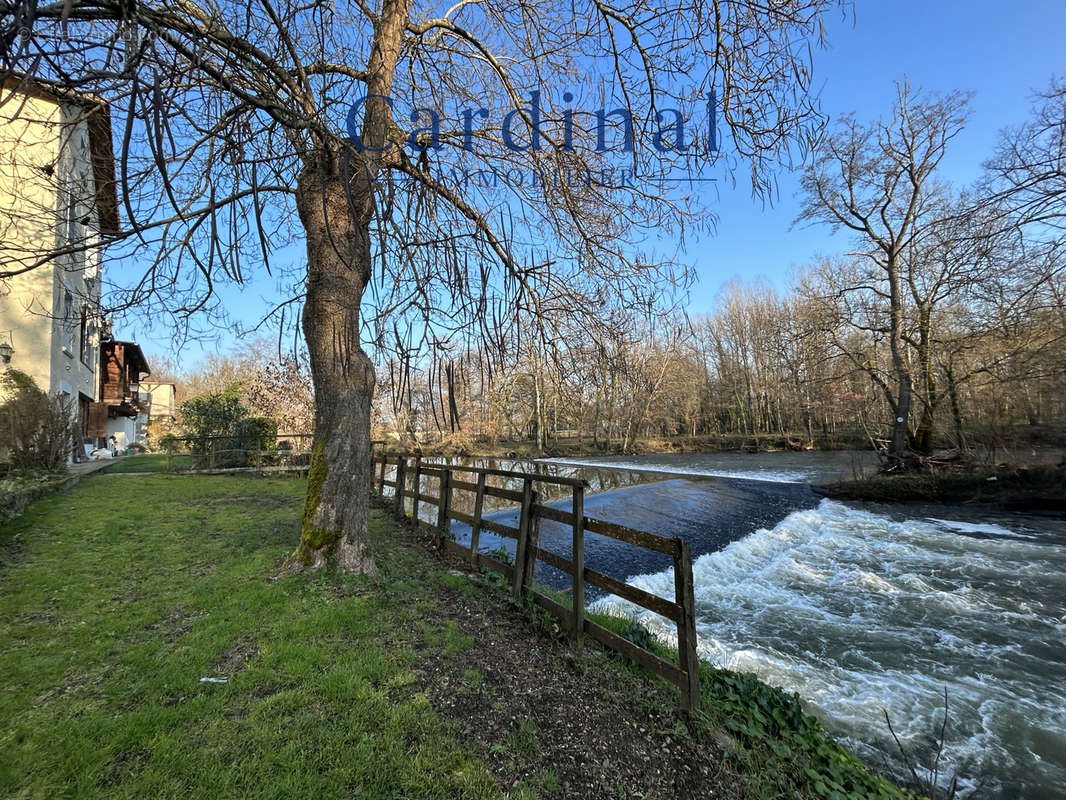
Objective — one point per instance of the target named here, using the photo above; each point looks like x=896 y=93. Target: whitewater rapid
x=858 y=611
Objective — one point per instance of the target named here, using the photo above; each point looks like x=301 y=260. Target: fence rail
x=406 y=479
x=219 y=459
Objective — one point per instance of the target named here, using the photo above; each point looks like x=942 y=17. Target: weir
x=857 y=607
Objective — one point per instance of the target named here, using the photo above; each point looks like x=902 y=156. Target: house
x=164 y=406
x=125 y=403
x=162 y=412
x=57 y=202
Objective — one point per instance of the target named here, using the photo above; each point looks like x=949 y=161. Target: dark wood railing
x=405 y=476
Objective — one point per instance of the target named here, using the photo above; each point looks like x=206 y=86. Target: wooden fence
x=224 y=454
x=407 y=477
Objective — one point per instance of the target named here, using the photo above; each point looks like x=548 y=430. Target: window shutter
x=97 y=425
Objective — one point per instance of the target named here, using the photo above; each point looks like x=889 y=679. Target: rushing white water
x=859 y=612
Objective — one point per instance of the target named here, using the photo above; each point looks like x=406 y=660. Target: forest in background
x=762 y=368
x=793 y=368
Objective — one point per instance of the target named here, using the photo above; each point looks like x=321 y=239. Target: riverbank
x=1014 y=488
x=1018 y=439
x=427 y=681
x=575 y=448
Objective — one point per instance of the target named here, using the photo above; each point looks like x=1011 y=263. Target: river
x=859 y=608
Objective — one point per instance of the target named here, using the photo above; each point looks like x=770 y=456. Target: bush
x=212 y=420
x=36 y=430
x=216 y=414
x=221 y=432
x=256 y=433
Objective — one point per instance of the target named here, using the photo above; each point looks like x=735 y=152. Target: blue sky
x=1002 y=53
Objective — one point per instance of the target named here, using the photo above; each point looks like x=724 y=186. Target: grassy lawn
x=151 y=462
x=122 y=596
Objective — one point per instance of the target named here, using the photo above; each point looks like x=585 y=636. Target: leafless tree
x=879 y=182
x=1027 y=174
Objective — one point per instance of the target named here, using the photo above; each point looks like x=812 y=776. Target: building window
x=68 y=321
x=73 y=227
x=73 y=223
x=87 y=335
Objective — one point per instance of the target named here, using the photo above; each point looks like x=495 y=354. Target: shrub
x=36 y=430
x=215 y=414
x=212 y=420
x=221 y=431
x=256 y=433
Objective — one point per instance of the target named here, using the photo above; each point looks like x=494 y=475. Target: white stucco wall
x=47 y=198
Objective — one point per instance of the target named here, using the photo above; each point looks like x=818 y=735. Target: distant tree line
x=794 y=365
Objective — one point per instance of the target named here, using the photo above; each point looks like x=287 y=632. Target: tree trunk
x=338 y=269
x=335 y=212
x=899 y=366
x=596 y=417
x=923 y=436
x=956 y=413
x=540 y=412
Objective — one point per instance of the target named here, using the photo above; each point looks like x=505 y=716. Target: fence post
x=381 y=483
x=417 y=487
x=445 y=503
x=578 y=557
x=684 y=595
x=533 y=540
x=524 y=527
x=170 y=457
x=475 y=526
x=401 y=482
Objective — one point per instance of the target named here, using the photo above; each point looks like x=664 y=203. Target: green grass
x=121 y=596
x=152 y=462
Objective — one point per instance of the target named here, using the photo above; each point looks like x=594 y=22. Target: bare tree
x=236 y=133
x=878 y=182
x=1027 y=175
